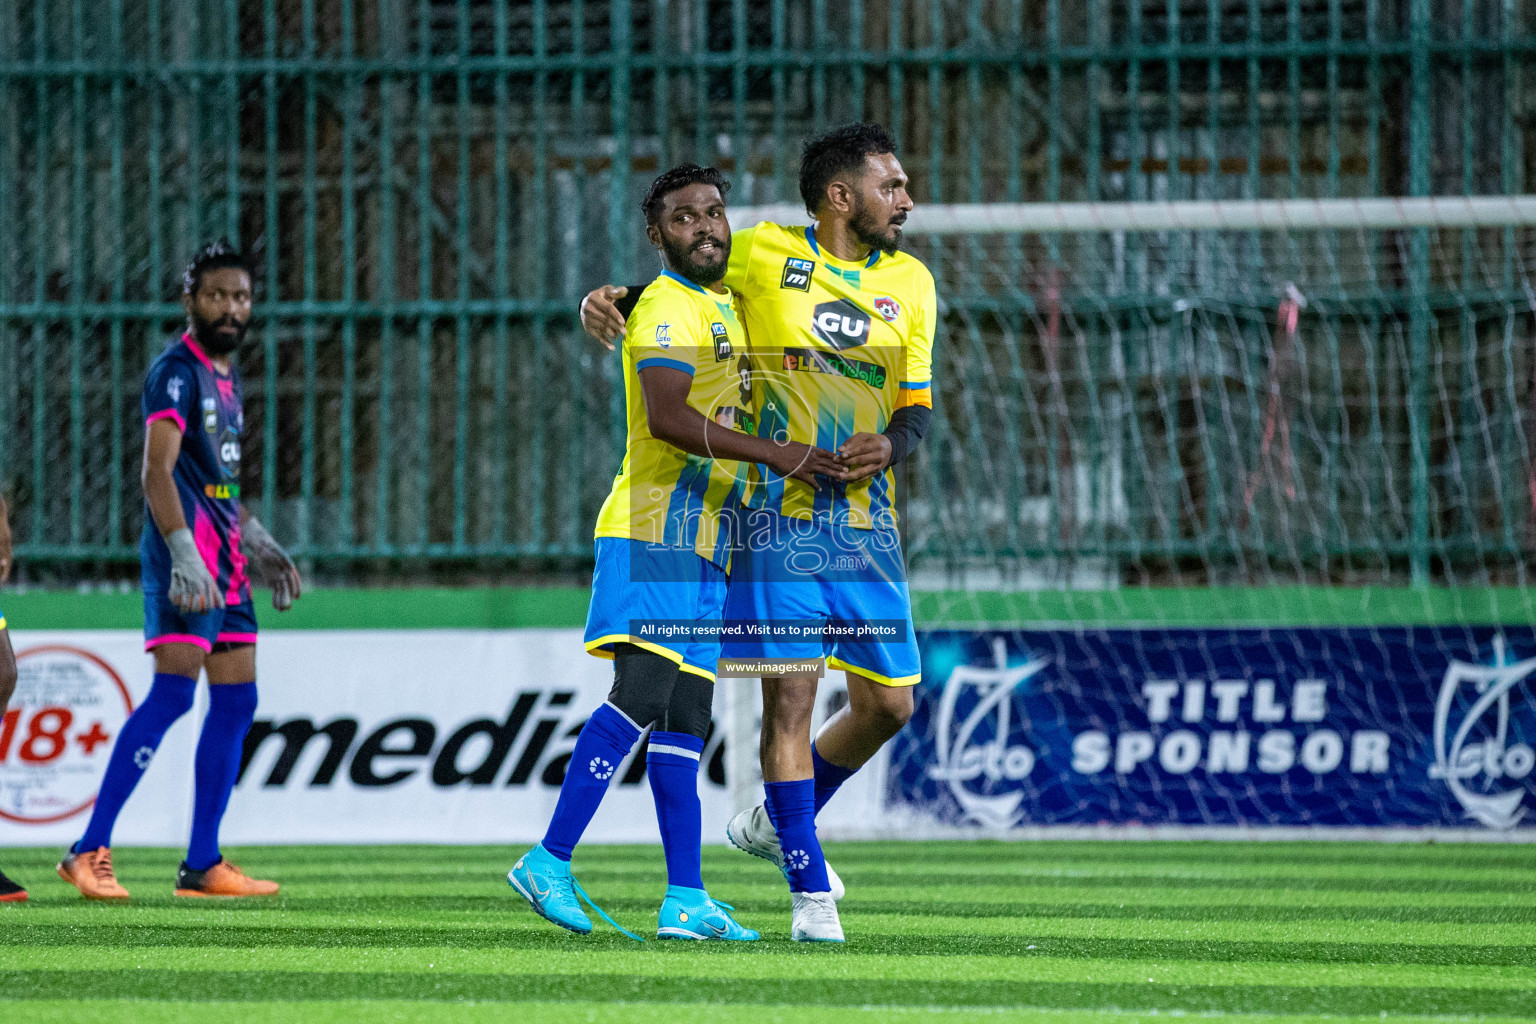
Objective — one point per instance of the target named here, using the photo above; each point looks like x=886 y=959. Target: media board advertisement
x=464 y=736
x=377 y=736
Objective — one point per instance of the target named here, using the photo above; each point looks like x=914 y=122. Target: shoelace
x=102 y=868
x=728 y=910
x=821 y=913
x=600 y=911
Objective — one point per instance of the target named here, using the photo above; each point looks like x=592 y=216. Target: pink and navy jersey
x=184 y=387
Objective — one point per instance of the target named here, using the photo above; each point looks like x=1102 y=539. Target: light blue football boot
x=545 y=881
x=691 y=914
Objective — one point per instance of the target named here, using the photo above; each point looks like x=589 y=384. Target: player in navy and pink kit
x=198 y=543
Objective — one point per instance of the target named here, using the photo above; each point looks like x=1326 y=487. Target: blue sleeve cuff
x=671 y=364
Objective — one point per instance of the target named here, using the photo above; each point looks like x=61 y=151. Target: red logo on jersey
x=888 y=308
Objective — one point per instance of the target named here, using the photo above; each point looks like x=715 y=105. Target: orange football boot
x=223 y=879
x=91 y=872
x=10 y=892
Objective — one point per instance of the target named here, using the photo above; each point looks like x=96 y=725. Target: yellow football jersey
x=837 y=347
x=663 y=495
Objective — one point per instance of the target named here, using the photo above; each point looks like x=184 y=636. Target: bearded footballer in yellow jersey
x=841 y=326
x=665 y=538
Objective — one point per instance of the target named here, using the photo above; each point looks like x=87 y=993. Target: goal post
x=1192 y=215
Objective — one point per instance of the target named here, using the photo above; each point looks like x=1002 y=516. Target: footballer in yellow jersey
x=837 y=348
x=664 y=495
x=841 y=328
x=841 y=348
x=662 y=544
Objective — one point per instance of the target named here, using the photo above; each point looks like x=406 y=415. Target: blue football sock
x=672 y=761
x=792 y=809
x=169 y=698
x=829 y=776
x=231 y=706
x=605 y=741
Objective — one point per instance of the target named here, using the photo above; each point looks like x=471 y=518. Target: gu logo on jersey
x=888 y=308
x=797 y=274
x=968 y=765
x=1473 y=768
x=722 y=341
x=210 y=416
x=173 y=388
x=841 y=324
x=664 y=335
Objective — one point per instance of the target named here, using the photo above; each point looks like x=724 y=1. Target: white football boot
x=815 y=918
x=752 y=832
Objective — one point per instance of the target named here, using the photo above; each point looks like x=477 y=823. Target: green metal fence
x=431 y=184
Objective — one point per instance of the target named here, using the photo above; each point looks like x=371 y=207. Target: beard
x=214 y=341
x=705 y=271
x=869 y=231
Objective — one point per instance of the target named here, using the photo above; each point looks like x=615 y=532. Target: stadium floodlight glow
x=1193 y=215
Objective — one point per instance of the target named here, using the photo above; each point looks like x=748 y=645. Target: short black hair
x=220 y=255
x=838 y=151
x=678 y=177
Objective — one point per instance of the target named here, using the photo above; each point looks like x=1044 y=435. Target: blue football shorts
x=805 y=572
x=217 y=630
x=640 y=589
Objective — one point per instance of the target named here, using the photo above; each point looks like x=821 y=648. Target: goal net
x=1162 y=429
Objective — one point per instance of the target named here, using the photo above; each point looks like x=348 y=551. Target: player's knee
x=175 y=700
x=238 y=702
x=179 y=660
x=884 y=708
x=899 y=704
x=692 y=705
x=642 y=684
x=787 y=704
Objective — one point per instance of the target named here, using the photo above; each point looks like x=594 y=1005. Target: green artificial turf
x=993 y=931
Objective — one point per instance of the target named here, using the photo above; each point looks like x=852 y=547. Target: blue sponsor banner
x=1363 y=727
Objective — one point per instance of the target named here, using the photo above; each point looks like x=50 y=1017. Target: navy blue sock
x=672 y=761
x=829 y=776
x=605 y=741
x=792 y=809
x=169 y=698
x=231 y=706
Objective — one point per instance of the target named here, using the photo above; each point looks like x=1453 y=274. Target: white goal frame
x=1193 y=215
